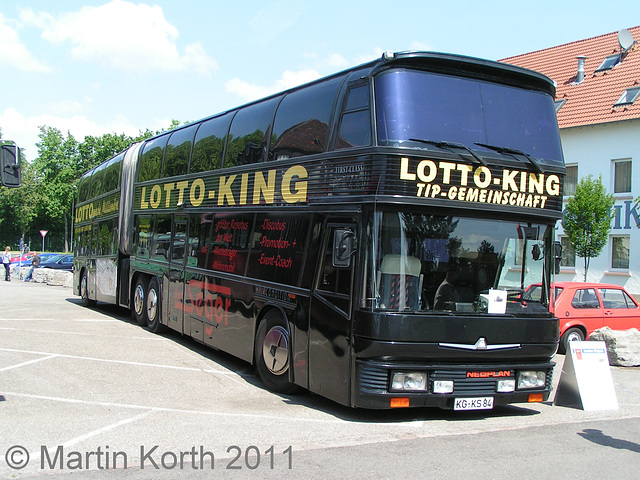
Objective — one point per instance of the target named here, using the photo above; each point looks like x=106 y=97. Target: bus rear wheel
x=84 y=291
x=139 y=301
x=152 y=307
x=272 y=353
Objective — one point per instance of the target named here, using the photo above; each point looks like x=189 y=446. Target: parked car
x=584 y=307
x=26 y=259
x=58 y=262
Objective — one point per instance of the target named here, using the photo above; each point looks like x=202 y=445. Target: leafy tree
x=587 y=219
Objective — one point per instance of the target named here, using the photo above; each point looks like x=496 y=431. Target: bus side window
x=355 y=121
x=151 y=159
x=249 y=133
x=199 y=232
x=209 y=144
x=176 y=159
x=143 y=236
x=161 y=238
x=302 y=121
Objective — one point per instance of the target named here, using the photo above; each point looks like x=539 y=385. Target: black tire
x=139 y=301
x=84 y=291
x=573 y=334
x=152 y=307
x=272 y=355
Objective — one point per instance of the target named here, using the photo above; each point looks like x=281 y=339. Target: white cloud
x=123 y=35
x=24 y=130
x=289 y=79
x=13 y=53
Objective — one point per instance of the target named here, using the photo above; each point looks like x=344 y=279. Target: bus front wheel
x=272 y=353
x=139 y=301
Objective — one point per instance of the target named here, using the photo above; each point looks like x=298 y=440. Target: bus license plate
x=479 y=403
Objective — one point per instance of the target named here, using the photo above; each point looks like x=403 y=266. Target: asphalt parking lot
x=87 y=392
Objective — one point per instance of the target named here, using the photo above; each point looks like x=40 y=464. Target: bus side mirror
x=343 y=247
x=10 y=165
x=557 y=257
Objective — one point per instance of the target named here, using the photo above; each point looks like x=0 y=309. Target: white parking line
x=122 y=362
x=62 y=332
x=151 y=409
x=36 y=360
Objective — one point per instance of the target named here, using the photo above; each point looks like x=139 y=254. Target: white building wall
x=593 y=149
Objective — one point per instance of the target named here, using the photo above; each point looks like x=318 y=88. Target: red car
x=584 y=307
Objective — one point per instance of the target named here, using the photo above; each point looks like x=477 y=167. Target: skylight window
x=628 y=97
x=609 y=62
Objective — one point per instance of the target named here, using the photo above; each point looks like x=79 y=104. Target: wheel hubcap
x=152 y=305
x=138 y=300
x=574 y=337
x=275 y=350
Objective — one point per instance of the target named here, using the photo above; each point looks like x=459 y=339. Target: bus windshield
x=413 y=105
x=446 y=263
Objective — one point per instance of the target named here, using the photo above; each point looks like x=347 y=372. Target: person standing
x=35 y=263
x=6 y=261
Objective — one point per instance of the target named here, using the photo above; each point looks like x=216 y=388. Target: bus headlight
x=506 y=385
x=415 y=381
x=531 y=379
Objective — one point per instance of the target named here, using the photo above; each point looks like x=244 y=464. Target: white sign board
x=586 y=380
x=497 y=301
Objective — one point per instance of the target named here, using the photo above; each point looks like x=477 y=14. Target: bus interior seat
x=400 y=274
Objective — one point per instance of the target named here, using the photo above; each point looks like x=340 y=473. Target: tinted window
x=422 y=105
x=83 y=187
x=230 y=243
x=302 y=121
x=151 y=160
x=96 y=181
x=277 y=251
x=161 y=238
x=176 y=161
x=112 y=174
x=106 y=241
x=199 y=239
x=248 y=136
x=355 y=123
x=209 y=143
x=143 y=236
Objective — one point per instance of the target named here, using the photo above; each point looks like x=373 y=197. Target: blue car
x=27 y=262
x=59 y=262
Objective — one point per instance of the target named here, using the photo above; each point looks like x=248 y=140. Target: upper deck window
x=413 y=104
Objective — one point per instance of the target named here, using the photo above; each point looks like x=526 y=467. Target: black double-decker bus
x=367 y=236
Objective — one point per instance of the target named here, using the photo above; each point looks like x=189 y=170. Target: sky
x=118 y=66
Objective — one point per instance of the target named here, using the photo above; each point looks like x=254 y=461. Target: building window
x=620 y=252
x=628 y=97
x=570 y=180
x=622 y=176
x=609 y=62
x=568 y=253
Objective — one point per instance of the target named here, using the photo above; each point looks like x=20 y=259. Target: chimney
x=580 y=76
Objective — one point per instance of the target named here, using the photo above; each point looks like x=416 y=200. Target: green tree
x=587 y=219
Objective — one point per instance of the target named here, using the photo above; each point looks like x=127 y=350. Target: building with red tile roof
x=598 y=110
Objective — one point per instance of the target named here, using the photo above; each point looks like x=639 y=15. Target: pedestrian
x=35 y=263
x=6 y=261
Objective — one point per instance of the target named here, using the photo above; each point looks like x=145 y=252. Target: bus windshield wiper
x=513 y=152
x=451 y=145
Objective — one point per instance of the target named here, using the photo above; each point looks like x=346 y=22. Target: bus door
x=176 y=281
x=91 y=261
x=330 y=313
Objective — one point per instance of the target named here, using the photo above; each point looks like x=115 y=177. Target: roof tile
x=591 y=101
